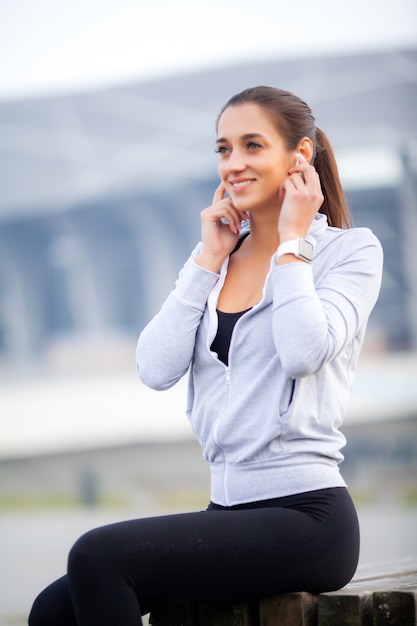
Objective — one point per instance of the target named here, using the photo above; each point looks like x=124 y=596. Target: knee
x=38 y=615
x=87 y=555
x=53 y=606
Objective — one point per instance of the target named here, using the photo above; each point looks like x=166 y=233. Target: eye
x=252 y=145
x=221 y=149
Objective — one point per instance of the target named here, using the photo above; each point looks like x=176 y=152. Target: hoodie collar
x=317 y=228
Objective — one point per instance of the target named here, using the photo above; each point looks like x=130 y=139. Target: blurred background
x=107 y=157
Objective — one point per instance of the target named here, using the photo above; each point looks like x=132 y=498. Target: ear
x=306 y=148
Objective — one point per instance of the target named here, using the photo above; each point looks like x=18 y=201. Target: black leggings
x=306 y=542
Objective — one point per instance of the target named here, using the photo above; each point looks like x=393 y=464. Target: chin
x=242 y=204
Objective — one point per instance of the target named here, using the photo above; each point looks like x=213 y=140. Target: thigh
x=210 y=555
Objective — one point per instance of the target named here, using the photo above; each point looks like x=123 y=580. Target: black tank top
x=226 y=324
x=221 y=342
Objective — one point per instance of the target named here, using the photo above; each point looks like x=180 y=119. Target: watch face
x=306 y=249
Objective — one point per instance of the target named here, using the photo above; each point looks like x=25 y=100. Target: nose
x=235 y=162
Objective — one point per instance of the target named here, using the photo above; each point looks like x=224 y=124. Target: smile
x=240 y=184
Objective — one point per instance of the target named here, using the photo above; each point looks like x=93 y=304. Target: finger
x=297 y=176
x=233 y=219
x=303 y=170
x=294 y=181
x=219 y=193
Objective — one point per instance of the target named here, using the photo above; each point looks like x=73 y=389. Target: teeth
x=244 y=182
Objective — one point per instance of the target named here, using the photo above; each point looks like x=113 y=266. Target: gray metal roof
x=57 y=152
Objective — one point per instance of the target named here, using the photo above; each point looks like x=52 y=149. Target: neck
x=264 y=235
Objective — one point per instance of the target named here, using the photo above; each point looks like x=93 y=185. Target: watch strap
x=301 y=248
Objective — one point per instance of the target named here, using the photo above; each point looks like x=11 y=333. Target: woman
x=268 y=316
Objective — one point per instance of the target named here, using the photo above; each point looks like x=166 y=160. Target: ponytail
x=335 y=204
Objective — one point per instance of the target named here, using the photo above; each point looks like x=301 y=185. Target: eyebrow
x=244 y=137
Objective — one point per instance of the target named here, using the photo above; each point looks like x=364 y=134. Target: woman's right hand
x=218 y=237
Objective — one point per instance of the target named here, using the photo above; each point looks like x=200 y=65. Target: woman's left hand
x=302 y=197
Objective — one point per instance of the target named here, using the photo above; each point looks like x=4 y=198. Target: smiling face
x=253 y=157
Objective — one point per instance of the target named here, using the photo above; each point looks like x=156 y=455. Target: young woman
x=268 y=317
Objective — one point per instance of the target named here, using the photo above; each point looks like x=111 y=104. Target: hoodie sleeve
x=316 y=316
x=166 y=345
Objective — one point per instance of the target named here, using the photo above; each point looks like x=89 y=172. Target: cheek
x=281 y=172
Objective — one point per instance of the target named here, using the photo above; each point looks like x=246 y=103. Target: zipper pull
x=227 y=375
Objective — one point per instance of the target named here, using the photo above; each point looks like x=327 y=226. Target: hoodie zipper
x=227 y=371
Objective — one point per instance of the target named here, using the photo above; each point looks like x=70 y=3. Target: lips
x=241 y=183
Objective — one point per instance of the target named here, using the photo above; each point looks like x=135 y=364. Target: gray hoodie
x=269 y=422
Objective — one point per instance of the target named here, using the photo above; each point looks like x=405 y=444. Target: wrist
x=210 y=262
x=291 y=235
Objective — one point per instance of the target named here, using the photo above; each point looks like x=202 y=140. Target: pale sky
x=48 y=46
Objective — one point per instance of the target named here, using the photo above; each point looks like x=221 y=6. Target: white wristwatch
x=301 y=248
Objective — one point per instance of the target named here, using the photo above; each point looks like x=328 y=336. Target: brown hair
x=294 y=120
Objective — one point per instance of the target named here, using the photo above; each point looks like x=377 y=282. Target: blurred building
x=101 y=193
